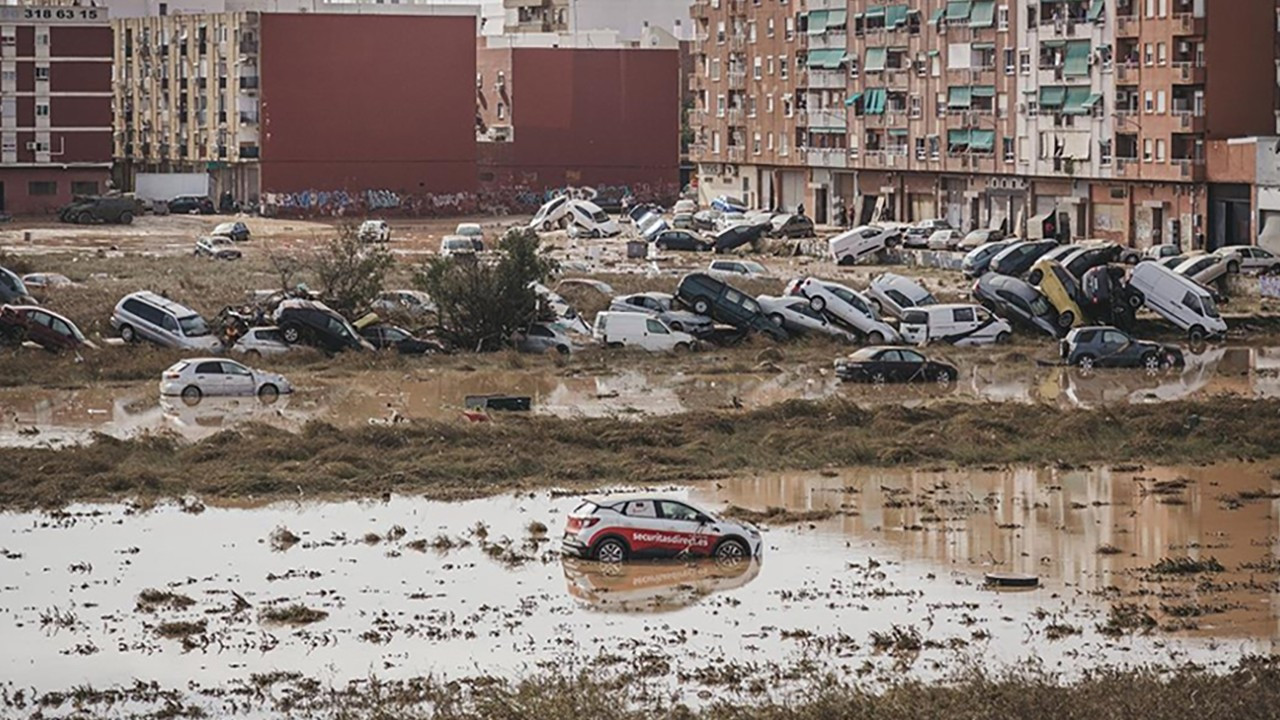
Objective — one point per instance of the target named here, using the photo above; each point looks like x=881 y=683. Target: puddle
x=53 y=417
x=410 y=587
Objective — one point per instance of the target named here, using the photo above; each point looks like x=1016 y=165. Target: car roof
x=632 y=497
x=946 y=306
x=160 y=301
x=208 y=359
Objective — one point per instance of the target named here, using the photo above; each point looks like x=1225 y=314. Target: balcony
x=734 y=116
x=1127 y=26
x=828 y=118
x=737 y=42
x=1188 y=120
x=1127 y=167
x=1189 y=72
x=737 y=79
x=249 y=82
x=1188 y=24
x=1127 y=73
x=827 y=157
x=736 y=153
x=1190 y=169
x=830 y=79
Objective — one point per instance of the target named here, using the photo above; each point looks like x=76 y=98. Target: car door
x=889 y=362
x=208 y=377
x=237 y=379
x=682 y=529
x=656 y=335
x=911 y=366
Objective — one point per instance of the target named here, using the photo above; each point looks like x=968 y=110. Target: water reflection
x=653 y=586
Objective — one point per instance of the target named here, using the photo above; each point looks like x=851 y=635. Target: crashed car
x=237 y=231
x=736 y=236
x=195 y=378
x=313 y=323
x=791 y=227
x=1106 y=296
x=895 y=294
x=888 y=364
x=794 y=314
x=1012 y=298
x=615 y=529
x=49 y=330
x=978 y=260
x=217 y=247
x=13 y=289
x=662 y=305
x=706 y=220
x=374 y=231
x=719 y=301
x=1105 y=346
x=543 y=337
x=390 y=337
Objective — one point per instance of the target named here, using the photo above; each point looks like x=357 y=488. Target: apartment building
x=984 y=112
x=291 y=103
x=55 y=105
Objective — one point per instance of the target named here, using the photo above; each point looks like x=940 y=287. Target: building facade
x=55 y=106
x=342 y=102
x=983 y=112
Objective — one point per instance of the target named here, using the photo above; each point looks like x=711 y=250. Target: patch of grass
x=1108 y=549
x=1126 y=618
x=295 y=614
x=180 y=629
x=452 y=460
x=150 y=600
x=282 y=539
x=776 y=515
x=1186 y=566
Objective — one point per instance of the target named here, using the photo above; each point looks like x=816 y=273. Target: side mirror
x=704 y=519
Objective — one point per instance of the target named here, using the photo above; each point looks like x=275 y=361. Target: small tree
x=480 y=305
x=349 y=273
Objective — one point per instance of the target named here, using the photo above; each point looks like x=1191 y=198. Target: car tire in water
x=1196 y=334
x=127 y=333
x=702 y=306
x=1085 y=363
x=191 y=395
x=610 y=550
x=268 y=394
x=944 y=378
x=1067 y=319
x=731 y=549
x=1002 y=338
x=1151 y=362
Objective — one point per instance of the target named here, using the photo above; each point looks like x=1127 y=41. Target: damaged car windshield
x=193 y=326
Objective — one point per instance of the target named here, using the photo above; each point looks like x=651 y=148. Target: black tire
x=777 y=319
x=1135 y=299
x=818 y=303
x=875 y=338
x=848 y=260
x=879 y=378
x=1002 y=338
x=1034 y=277
x=945 y=377
x=84 y=218
x=678 y=327
x=731 y=549
x=1066 y=319
x=268 y=393
x=292 y=334
x=1086 y=363
x=547 y=226
x=128 y=334
x=126 y=218
x=191 y=395
x=682 y=348
x=611 y=550
x=563 y=349
x=702 y=306
x=1196 y=334
x=252 y=354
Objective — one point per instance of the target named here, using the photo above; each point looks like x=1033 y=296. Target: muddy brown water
x=907 y=550
x=40 y=416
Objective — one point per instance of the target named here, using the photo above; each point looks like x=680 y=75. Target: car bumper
x=172 y=387
x=573 y=547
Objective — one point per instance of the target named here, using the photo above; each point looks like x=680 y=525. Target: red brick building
x=55 y=105
x=551 y=117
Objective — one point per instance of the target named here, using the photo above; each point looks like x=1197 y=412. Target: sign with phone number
x=27 y=14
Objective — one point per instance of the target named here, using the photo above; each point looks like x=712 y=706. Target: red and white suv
x=613 y=529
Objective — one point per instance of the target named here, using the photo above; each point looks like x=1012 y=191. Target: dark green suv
x=89 y=210
x=724 y=303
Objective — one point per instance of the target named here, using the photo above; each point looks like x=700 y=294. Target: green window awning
x=958 y=11
x=984 y=140
x=896 y=16
x=1053 y=43
x=959 y=97
x=852 y=99
x=937 y=16
x=876 y=57
x=983 y=91
x=899 y=132
x=1077 y=58
x=874 y=101
x=837 y=19
x=1052 y=96
x=983 y=14
x=827 y=130
x=1095 y=10
x=825 y=58
x=1093 y=100
x=983 y=46
x=1074 y=102
x=875 y=12
x=934 y=53
x=958 y=138
x=818 y=22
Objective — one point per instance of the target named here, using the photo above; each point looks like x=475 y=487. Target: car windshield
x=469 y=230
x=1210 y=307
x=753 y=267
x=1040 y=306
x=193 y=326
x=600 y=216
x=13 y=281
x=70 y=326
x=864 y=354
x=457 y=244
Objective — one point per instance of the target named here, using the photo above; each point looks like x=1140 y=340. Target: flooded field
x=32 y=416
x=1138 y=566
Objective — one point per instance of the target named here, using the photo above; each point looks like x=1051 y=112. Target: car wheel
x=268 y=394
x=845 y=261
x=682 y=348
x=1002 y=338
x=126 y=218
x=84 y=218
x=611 y=550
x=1034 y=277
x=1135 y=299
x=1196 y=334
x=702 y=306
x=818 y=303
x=127 y=333
x=878 y=378
x=678 y=327
x=254 y=354
x=777 y=319
x=291 y=334
x=730 y=550
x=562 y=349
x=547 y=226
x=1067 y=319
x=1151 y=362
x=191 y=395
x=944 y=378
x=1233 y=267
x=1085 y=362
x=876 y=338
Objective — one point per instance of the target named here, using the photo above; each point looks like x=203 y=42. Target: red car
x=19 y=323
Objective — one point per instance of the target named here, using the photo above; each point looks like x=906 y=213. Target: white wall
x=628 y=17
x=167 y=186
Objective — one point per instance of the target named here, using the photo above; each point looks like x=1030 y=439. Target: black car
x=739 y=235
x=1086 y=259
x=978 y=260
x=384 y=337
x=1106 y=297
x=1018 y=258
x=191 y=204
x=314 y=323
x=1105 y=346
x=680 y=240
x=886 y=364
x=721 y=302
x=791 y=227
x=1014 y=299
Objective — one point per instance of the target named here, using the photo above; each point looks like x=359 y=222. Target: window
x=641 y=508
x=720 y=106
x=208 y=368
x=42 y=72
x=678 y=511
x=782 y=67
x=1148 y=102
x=656 y=327
x=751 y=31
x=9 y=39
x=231 y=368
x=715 y=142
x=1146 y=150
x=790 y=29
x=915 y=106
x=42 y=187
x=756 y=146
x=769 y=141
x=1150 y=7
x=715 y=68
x=42 y=109
x=1161 y=54
x=1148 y=55
x=1006 y=145
x=1002 y=17
x=720 y=33
x=757 y=68
x=1024 y=61
x=768 y=65
x=1160 y=150
x=1160 y=102
x=768 y=28
x=962 y=314
x=502 y=111
x=853 y=66
x=1010 y=61
x=1162 y=8
x=1192 y=302
x=1104 y=152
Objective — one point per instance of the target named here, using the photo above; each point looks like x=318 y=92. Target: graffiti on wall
x=493 y=201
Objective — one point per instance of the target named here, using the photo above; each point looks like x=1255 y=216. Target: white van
x=853 y=245
x=586 y=219
x=626 y=329
x=958 y=324
x=1178 y=299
